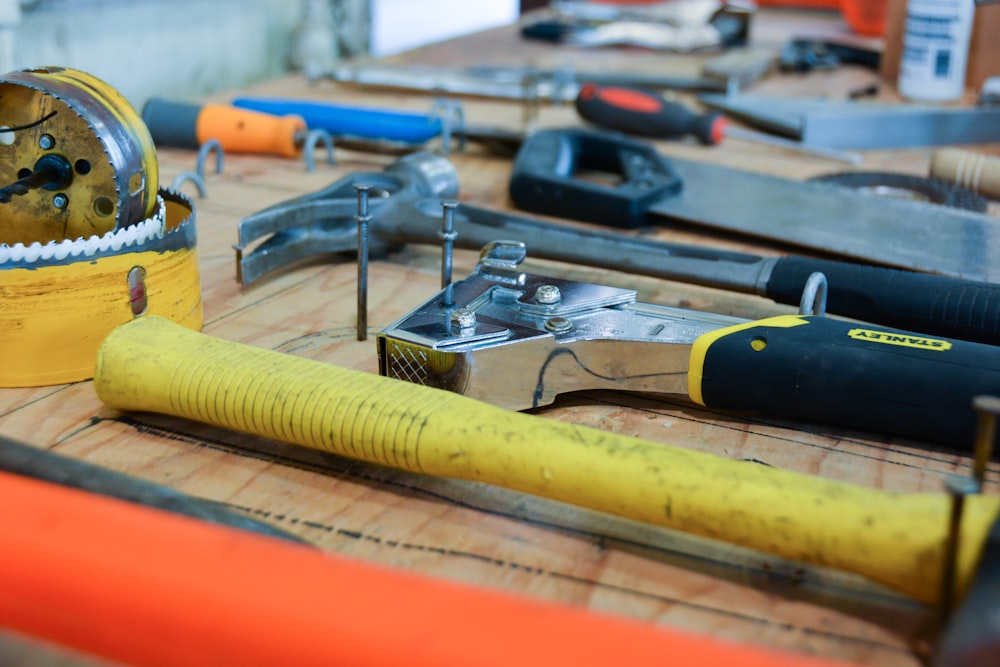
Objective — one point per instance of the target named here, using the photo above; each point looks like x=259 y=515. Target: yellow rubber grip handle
x=153 y=365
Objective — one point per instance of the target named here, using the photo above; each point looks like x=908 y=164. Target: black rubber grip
x=173 y=124
x=849 y=374
x=545 y=178
x=950 y=307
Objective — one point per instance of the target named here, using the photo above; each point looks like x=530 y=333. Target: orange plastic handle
x=245 y=131
x=148 y=588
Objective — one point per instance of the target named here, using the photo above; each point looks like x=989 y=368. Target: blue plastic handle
x=341 y=120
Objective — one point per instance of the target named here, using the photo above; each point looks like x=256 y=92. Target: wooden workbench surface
x=475 y=533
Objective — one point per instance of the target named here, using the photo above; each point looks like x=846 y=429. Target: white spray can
x=935 y=49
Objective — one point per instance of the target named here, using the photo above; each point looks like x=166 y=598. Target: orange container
x=865 y=17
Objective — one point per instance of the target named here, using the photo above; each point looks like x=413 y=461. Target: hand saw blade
x=895 y=232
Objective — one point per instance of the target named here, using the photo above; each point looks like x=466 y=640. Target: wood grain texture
x=468 y=531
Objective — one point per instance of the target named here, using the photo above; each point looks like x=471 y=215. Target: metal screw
x=987 y=408
x=362 y=218
x=447 y=236
x=558 y=324
x=463 y=321
x=547 y=294
x=46 y=142
x=60 y=201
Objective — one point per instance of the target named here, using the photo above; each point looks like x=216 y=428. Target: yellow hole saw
x=88 y=241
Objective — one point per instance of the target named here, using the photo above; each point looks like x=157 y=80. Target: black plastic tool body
x=944 y=306
x=546 y=178
x=863 y=376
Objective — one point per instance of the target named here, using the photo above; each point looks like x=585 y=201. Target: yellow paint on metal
x=891 y=538
x=701 y=345
x=80 y=119
x=54 y=318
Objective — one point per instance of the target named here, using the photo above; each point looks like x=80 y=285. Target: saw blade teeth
x=33 y=252
x=114 y=240
x=62 y=249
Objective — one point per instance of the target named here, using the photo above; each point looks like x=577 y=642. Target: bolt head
x=60 y=201
x=46 y=142
x=548 y=294
x=463 y=319
x=558 y=324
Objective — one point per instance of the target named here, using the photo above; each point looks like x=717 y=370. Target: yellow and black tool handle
x=826 y=370
x=154 y=365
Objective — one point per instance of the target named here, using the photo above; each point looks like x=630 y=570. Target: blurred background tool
x=87 y=241
x=862 y=125
x=377 y=124
x=666 y=26
x=908 y=186
x=557 y=86
x=643 y=113
x=807 y=55
x=183 y=125
x=975 y=171
x=830 y=219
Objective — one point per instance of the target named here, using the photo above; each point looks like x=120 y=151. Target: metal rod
x=958 y=488
x=363 y=219
x=447 y=236
x=987 y=409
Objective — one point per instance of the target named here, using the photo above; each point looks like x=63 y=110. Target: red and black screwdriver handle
x=643 y=113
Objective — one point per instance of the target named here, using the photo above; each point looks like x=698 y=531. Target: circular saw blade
x=70 y=117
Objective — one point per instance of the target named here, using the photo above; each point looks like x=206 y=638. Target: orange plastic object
x=149 y=588
x=865 y=17
x=245 y=131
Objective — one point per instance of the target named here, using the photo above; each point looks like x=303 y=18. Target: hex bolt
x=46 y=142
x=363 y=219
x=987 y=409
x=547 y=295
x=463 y=321
x=60 y=201
x=447 y=236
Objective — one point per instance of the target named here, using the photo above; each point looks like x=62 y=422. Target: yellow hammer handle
x=154 y=365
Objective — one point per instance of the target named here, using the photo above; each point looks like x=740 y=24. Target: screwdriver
x=184 y=125
x=643 y=113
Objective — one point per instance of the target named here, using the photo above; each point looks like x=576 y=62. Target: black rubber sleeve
x=824 y=370
x=952 y=307
x=172 y=124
